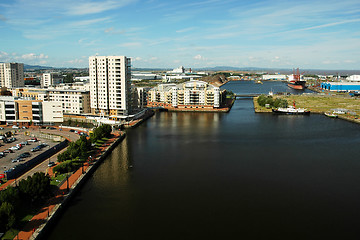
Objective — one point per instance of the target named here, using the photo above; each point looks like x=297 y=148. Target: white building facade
x=51 y=79
x=110 y=85
x=191 y=94
x=12 y=75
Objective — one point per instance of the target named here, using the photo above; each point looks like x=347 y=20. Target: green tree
x=7 y=216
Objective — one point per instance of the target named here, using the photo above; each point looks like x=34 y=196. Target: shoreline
x=38 y=226
x=346 y=117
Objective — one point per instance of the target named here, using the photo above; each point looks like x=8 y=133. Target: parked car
x=18 y=159
x=71 y=130
x=25 y=155
x=35 y=149
x=14 y=126
x=32 y=139
x=14 y=148
x=24 y=143
x=9 y=140
x=1 y=128
x=24 y=127
x=8 y=151
x=50 y=164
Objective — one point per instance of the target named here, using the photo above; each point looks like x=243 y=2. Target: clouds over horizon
x=277 y=33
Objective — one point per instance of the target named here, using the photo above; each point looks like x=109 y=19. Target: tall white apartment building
x=51 y=79
x=110 y=85
x=12 y=75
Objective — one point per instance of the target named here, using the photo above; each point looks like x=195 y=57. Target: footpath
x=36 y=225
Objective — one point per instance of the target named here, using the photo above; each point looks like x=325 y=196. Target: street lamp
x=67 y=182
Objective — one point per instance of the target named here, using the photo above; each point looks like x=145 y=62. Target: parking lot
x=9 y=159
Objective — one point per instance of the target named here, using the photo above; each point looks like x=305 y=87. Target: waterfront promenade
x=50 y=210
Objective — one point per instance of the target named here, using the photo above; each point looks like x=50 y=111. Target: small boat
x=331 y=115
x=259 y=82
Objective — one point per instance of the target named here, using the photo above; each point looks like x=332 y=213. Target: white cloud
x=86 y=7
x=130 y=44
x=199 y=57
x=32 y=56
x=185 y=30
x=75 y=62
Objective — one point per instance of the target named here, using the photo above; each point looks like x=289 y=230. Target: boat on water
x=291 y=110
x=295 y=82
x=331 y=115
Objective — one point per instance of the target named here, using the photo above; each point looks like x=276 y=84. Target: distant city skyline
x=167 y=34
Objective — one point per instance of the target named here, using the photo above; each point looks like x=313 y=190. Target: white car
x=14 y=126
x=14 y=148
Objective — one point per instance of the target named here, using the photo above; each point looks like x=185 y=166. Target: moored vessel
x=291 y=110
x=296 y=82
x=331 y=115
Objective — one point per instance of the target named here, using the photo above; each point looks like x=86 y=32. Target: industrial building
x=340 y=86
x=274 y=77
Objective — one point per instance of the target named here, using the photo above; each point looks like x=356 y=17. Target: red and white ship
x=295 y=81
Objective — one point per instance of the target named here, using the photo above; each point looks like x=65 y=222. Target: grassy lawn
x=11 y=233
x=259 y=108
x=321 y=104
x=58 y=179
x=100 y=142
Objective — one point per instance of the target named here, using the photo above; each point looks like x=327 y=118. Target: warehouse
x=340 y=86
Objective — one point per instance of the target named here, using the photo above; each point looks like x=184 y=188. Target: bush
x=67 y=166
x=278 y=102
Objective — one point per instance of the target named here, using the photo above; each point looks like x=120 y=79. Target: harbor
x=216 y=168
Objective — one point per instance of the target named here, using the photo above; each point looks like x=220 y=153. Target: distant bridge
x=250 y=95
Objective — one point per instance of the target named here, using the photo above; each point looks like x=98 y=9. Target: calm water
x=240 y=174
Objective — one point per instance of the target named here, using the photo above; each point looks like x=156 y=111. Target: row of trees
x=16 y=202
x=79 y=151
x=100 y=132
x=275 y=103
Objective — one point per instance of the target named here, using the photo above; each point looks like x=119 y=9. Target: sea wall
x=61 y=207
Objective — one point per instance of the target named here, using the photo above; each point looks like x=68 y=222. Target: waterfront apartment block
x=110 y=85
x=72 y=101
x=193 y=94
x=51 y=79
x=12 y=75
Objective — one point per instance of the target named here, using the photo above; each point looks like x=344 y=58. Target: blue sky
x=206 y=33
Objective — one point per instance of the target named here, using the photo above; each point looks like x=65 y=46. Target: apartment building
x=110 y=85
x=12 y=75
x=24 y=111
x=51 y=79
x=73 y=101
x=191 y=94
